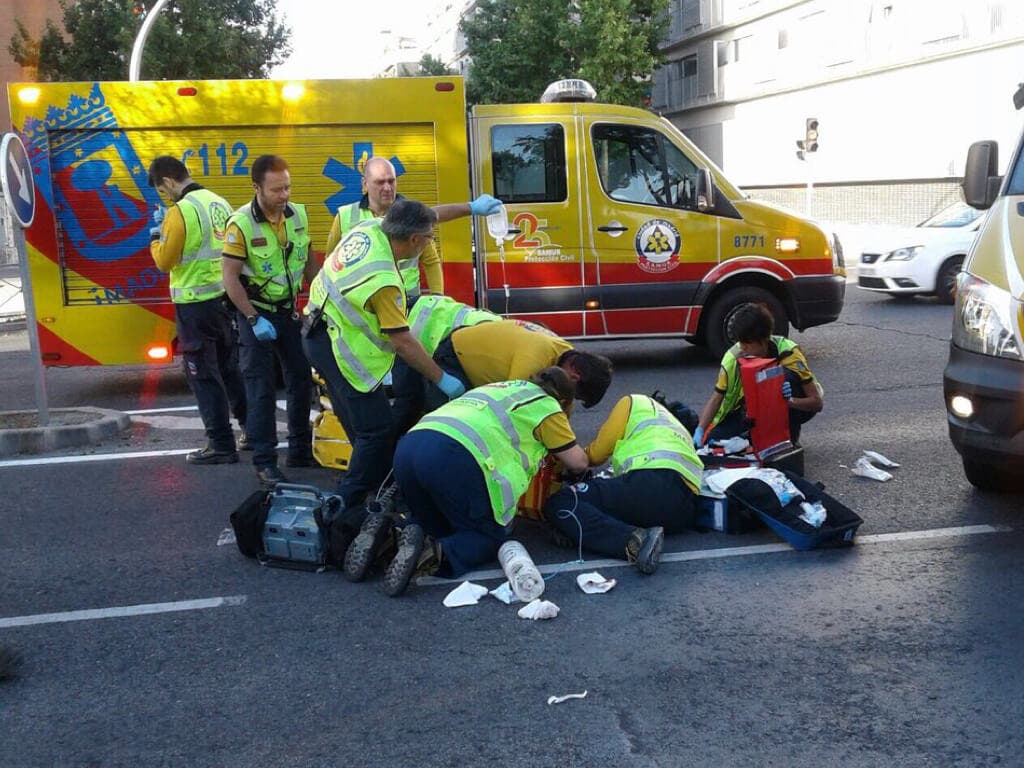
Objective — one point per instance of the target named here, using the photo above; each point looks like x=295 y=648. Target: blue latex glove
x=264 y=329
x=158 y=215
x=698 y=437
x=451 y=386
x=484 y=205
x=787 y=390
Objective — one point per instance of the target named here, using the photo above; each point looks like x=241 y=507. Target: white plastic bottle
x=523 y=576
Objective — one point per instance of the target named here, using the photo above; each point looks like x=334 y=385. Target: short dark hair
x=556 y=382
x=751 y=323
x=166 y=167
x=595 y=372
x=406 y=218
x=263 y=164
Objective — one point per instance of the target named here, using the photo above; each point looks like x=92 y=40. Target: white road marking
x=723 y=552
x=121 y=611
x=101 y=457
x=162 y=410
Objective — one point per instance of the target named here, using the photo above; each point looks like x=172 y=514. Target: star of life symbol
x=657 y=246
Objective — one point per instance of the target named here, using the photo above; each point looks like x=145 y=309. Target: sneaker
x=403 y=566
x=305 y=460
x=243 y=441
x=208 y=455
x=270 y=475
x=364 y=548
x=644 y=548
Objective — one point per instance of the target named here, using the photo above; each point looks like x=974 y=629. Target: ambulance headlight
x=572 y=89
x=985 y=319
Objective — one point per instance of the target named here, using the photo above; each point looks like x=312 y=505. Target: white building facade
x=900 y=89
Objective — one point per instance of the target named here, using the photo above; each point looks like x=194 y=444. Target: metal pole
x=810 y=184
x=140 y=40
x=33 y=330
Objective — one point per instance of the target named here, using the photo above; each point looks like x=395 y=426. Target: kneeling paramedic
x=724 y=414
x=461 y=471
x=431 y=320
x=511 y=349
x=654 y=488
x=355 y=326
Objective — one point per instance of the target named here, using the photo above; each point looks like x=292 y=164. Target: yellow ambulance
x=619 y=225
x=984 y=378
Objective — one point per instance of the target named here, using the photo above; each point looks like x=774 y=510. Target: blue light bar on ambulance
x=572 y=89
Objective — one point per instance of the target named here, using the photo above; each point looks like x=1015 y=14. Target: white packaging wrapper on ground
x=876 y=458
x=538 y=609
x=865 y=468
x=560 y=699
x=594 y=583
x=467 y=593
x=505 y=594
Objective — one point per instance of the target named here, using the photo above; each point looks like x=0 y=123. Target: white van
x=984 y=378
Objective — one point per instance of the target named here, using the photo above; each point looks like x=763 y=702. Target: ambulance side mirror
x=981 y=180
x=705 y=190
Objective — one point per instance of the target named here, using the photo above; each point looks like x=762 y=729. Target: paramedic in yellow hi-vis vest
x=187 y=242
x=724 y=415
x=380 y=183
x=657 y=476
x=356 y=324
x=267 y=259
x=514 y=349
x=463 y=467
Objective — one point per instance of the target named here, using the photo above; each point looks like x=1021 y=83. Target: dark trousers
x=607 y=510
x=736 y=422
x=444 y=488
x=366 y=417
x=209 y=355
x=449 y=362
x=408 y=391
x=258 y=371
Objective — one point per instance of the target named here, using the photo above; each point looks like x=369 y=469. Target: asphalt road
x=906 y=649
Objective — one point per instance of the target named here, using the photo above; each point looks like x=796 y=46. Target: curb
x=55 y=437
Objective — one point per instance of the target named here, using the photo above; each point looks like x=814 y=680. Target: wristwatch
x=252 y=319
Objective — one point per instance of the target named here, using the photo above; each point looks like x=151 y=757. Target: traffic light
x=810 y=143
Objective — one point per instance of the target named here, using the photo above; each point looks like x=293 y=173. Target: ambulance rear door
x=527 y=156
x=643 y=231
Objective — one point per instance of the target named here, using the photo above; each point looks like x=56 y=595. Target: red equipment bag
x=767 y=410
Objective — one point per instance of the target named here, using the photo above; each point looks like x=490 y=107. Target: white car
x=920 y=260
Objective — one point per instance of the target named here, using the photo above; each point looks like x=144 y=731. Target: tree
x=518 y=47
x=190 y=39
x=431 y=67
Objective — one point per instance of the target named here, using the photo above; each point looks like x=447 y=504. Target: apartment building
x=899 y=88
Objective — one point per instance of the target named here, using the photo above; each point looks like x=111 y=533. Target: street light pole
x=140 y=40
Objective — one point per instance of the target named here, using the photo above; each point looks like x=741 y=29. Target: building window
x=783 y=38
x=689 y=65
x=528 y=163
x=723 y=52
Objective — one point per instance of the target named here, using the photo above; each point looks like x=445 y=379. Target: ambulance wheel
x=717 y=333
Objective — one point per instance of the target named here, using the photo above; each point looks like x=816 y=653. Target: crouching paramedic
x=432 y=319
x=724 y=414
x=510 y=349
x=654 y=488
x=462 y=469
x=355 y=326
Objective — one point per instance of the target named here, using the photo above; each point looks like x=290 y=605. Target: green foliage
x=190 y=39
x=431 y=67
x=518 y=47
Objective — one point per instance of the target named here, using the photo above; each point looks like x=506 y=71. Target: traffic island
x=20 y=431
